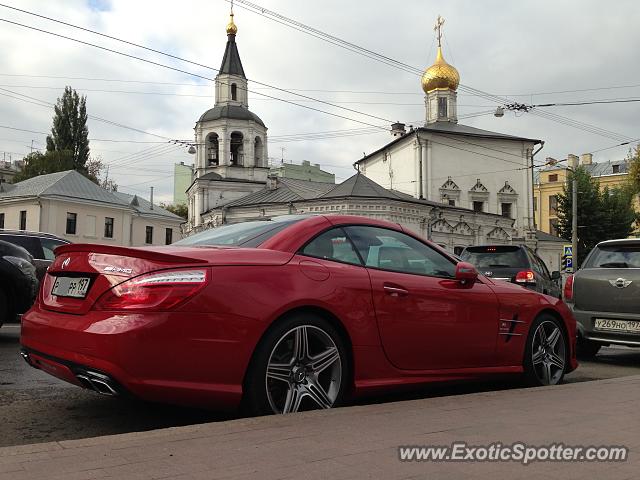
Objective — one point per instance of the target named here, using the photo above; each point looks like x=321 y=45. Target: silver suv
x=605 y=296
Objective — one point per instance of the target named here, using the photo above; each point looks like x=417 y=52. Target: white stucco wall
x=50 y=215
x=12 y=210
x=433 y=158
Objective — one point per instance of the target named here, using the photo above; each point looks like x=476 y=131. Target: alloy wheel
x=548 y=353
x=304 y=371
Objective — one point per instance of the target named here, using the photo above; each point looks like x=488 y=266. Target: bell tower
x=231 y=141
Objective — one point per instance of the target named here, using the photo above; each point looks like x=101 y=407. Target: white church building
x=458 y=165
x=454 y=184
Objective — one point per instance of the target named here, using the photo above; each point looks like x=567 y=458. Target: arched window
x=212 y=150
x=258 y=152
x=234 y=91
x=237 y=150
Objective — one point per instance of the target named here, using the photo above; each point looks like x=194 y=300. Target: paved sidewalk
x=361 y=442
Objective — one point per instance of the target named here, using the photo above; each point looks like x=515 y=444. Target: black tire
x=263 y=396
x=542 y=364
x=586 y=349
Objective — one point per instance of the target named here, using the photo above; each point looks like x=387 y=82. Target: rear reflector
x=154 y=291
x=525 y=276
x=568 y=289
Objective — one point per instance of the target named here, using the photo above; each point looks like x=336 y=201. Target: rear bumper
x=586 y=329
x=170 y=357
x=80 y=375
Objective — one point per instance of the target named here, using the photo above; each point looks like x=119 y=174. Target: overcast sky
x=534 y=51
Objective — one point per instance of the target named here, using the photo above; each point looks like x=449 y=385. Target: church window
x=442 y=107
x=258 y=152
x=212 y=150
x=478 y=206
x=237 y=150
x=506 y=210
x=234 y=91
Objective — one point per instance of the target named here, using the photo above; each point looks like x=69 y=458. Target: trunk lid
x=106 y=266
x=607 y=290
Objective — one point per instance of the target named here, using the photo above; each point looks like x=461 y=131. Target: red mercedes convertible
x=289 y=314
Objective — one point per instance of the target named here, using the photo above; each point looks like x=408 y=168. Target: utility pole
x=574 y=219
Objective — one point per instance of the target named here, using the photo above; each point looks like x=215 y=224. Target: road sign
x=569 y=263
x=568 y=251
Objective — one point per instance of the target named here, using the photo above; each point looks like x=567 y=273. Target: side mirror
x=555 y=275
x=466 y=273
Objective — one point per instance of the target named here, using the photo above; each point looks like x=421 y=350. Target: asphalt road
x=35 y=407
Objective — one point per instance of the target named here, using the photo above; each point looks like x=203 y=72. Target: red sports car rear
x=287 y=315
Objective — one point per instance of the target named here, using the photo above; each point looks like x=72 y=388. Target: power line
x=174 y=94
x=364 y=92
x=589 y=102
x=180 y=59
x=409 y=68
x=44 y=103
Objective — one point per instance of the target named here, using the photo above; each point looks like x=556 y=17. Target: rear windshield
x=614 y=256
x=247 y=234
x=496 y=257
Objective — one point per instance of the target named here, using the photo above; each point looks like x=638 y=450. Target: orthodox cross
x=438 y=29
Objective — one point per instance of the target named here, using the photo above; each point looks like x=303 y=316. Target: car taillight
x=525 y=276
x=568 y=289
x=154 y=291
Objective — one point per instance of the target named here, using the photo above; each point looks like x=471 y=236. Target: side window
x=48 y=246
x=399 y=252
x=30 y=244
x=542 y=266
x=332 y=245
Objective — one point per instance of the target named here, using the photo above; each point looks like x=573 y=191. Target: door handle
x=395 y=291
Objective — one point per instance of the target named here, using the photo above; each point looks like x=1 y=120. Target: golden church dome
x=440 y=75
x=231 y=27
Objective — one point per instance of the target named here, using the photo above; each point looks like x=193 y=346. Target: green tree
x=619 y=214
x=38 y=163
x=69 y=131
x=95 y=167
x=602 y=215
x=181 y=209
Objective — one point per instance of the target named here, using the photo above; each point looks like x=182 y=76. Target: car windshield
x=495 y=257
x=614 y=256
x=246 y=234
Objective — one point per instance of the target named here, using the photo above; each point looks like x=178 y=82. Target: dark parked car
x=39 y=245
x=516 y=264
x=605 y=296
x=18 y=282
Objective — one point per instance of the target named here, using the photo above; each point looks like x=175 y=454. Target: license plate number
x=630 y=326
x=75 y=287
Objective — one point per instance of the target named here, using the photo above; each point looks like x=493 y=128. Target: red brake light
x=568 y=289
x=525 y=276
x=154 y=291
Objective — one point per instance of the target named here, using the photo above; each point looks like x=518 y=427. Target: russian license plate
x=630 y=326
x=71 y=287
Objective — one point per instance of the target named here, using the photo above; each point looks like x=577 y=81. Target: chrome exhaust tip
x=98 y=382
